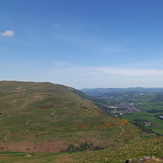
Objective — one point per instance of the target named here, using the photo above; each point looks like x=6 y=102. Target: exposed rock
x=28 y=155
x=144 y=160
x=128 y=161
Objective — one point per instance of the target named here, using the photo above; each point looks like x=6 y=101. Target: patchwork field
x=141 y=106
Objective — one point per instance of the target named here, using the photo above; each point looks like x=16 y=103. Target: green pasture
x=150 y=117
x=151 y=106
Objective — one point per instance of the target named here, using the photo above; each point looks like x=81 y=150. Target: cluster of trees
x=140 y=120
x=141 y=126
x=82 y=147
x=154 y=111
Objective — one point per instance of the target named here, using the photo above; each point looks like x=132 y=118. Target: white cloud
x=8 y=33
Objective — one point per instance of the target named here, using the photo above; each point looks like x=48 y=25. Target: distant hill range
x=105 y=91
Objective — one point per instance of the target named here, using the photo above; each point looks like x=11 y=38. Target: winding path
x=121 y=132
x=7 y=135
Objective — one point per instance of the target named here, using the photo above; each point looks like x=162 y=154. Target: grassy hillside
x=150 y=147
x=46 y=117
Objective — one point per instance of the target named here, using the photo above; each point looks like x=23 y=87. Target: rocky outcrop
x=145 y=159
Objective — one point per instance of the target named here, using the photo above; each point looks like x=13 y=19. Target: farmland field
x=141 y=106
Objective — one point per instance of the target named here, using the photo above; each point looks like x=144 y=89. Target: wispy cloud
x=112 y=49
x=8 y=33
x=62 y=64
x=128 y=71
x=147 y=64
x=83 y=77
x=55 y=25
x=86 y=77
x=73 y=69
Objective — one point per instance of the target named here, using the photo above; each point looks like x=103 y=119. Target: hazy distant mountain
x=104 y=91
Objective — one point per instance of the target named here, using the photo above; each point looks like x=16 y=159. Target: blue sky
x=82 y=43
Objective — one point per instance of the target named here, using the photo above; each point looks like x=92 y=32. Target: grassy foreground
x=150 y=147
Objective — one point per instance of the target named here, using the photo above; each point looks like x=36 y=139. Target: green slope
x=46 y=117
